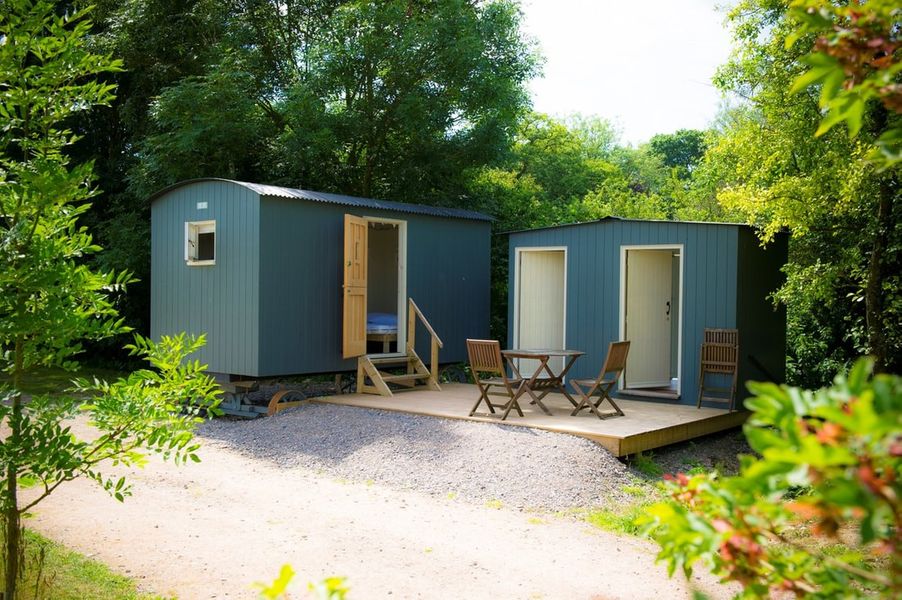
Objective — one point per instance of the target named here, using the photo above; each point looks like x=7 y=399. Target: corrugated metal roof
x=613 y=218
x=284 y=192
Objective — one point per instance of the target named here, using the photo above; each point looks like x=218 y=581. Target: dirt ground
x=210 y=530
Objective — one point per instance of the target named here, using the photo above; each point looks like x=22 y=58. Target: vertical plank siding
x=717 y=287
x=301 y=275
x=217 y=300
x=271 y=305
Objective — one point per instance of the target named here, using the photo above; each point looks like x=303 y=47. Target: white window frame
x=192 y=230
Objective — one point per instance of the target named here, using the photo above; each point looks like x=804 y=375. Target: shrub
x=829 y=464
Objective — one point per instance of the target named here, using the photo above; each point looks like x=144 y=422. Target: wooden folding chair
x=485 y=358
x=601 y=386
x=719 y=357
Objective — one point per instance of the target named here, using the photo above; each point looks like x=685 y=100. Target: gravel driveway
x=302 y=489
x=477 y=462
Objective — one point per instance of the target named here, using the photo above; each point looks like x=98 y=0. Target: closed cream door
x=540 y=305
x=354 y=288
x=648 y=313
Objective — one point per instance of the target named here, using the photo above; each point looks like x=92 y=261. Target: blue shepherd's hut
x=285 y=281
x=658 y=284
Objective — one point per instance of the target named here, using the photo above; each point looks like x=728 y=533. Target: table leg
x=538 y=400
x=561 y=380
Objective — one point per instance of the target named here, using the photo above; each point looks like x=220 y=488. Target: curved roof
x=284 y=192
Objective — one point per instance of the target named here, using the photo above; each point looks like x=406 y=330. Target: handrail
x=416 y=309
x=413 y=311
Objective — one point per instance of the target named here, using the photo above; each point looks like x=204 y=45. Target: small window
x=200 y=243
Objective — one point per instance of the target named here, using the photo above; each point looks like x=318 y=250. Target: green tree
x=160 y=42
x=768 y=168
x=681 y=150
x=51 y=301
x=389 y=99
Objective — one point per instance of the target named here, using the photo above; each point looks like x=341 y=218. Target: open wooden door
x=354 y=289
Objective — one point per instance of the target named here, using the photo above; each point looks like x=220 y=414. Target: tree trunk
x=10 y=496
x=874 y=286
x=13 y=532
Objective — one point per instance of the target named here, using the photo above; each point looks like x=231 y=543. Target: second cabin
x=285 y=281
x=658 y=284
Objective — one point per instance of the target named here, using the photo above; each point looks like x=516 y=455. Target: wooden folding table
x=543 y=380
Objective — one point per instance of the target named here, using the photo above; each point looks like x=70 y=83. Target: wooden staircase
x=372 y=374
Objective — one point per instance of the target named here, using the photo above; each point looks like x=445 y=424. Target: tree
x=51 y=301
x=389 y=99
x=681 y=150
x=160 y=42
x=774 y=173
x=856 y=61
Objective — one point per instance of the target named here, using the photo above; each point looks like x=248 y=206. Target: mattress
x=381 y=323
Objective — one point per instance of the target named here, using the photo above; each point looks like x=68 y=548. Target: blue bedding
x=381 y=323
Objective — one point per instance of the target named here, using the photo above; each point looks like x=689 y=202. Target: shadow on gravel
x=331 y=433
x=475 y=461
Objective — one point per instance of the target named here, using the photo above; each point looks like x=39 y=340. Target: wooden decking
x=646 y=424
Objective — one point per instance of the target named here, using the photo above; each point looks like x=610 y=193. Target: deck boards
x=646 y=424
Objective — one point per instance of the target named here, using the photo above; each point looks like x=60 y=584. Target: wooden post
x=411 y=326
x=433 y=360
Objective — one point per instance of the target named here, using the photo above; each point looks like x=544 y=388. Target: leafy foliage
x=51 y=300
x=830 y=462
x=767 y=167
x=855 y=60
x=388 y=99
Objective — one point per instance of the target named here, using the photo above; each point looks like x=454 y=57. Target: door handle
x=668 y=308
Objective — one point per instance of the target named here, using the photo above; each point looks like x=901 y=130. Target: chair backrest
x=615 y=362
x=485 y=357
x=722 y=336
x=719 y=358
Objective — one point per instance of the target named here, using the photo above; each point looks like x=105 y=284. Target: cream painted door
x=540 y=307
x=648 y=300
x=353 y=342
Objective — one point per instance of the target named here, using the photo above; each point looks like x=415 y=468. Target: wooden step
x=392 y=360
x=401 y=378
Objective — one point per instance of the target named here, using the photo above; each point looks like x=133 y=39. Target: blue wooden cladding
x=726 y=283
x=272 y=303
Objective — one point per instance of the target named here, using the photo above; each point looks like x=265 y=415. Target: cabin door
x=354 y=288
x=647 y=317
x=539 y=312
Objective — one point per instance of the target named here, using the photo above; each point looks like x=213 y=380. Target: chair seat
x=500 y=381
x=585 y=382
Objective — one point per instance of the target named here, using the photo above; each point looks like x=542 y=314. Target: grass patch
x=621 y=520
x=637 y=491
x=645 y=464
x=495 y=504
x=54 y=571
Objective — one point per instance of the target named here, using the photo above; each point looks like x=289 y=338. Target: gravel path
x=209 y=530
x=478 y=462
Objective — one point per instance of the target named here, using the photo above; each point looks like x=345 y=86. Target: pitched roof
x=353 y=201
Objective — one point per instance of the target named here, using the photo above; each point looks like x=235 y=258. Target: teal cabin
x=285 y=281
x=658 y=284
